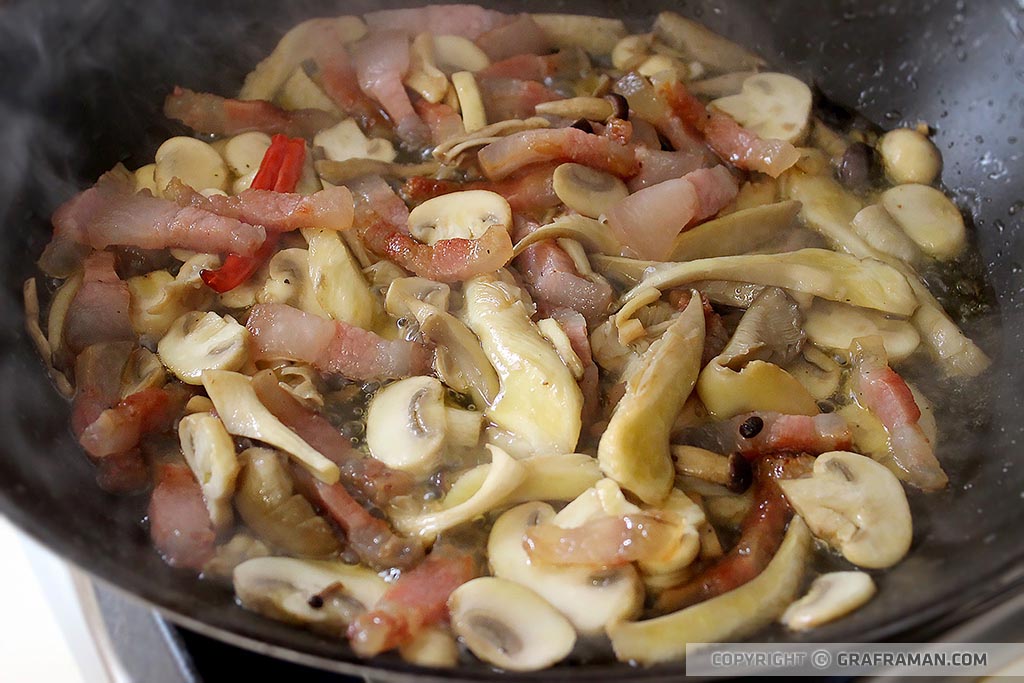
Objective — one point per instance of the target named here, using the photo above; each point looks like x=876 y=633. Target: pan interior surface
x=82 y=88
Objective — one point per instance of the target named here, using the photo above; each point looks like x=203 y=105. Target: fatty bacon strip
x=216 y=115
x=333 y=346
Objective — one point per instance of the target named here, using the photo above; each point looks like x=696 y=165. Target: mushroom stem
x=731 y=471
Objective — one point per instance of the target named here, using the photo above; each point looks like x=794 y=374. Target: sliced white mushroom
x=589 y=599
x=301 y=92
x=457 y=53
x=289 y=282
x=631 y=51
x=503 y=476
x=325 y=595
x=346 y=141
x=199 y=341
x=243 y=415
x=337 y=280
x=597 y=35
x=243 y=183
x=634 y=450
x=728 y=617
x=857 y=506
x=423 y=76
x=193 y=162
x=210 y=454
x=908 y=156
x=408 y=426
x=241 y=548
x=876 y=227
x=773 y=105
x=817 y=371
x=508 y=625
x=142 y=371
x=587 y=191
x=928 y=217
x=538 y=408
x=404 y=296
x=467 y=214
x=159 y=298
x=835 y=326
x=301 y=381
x=145 y=179
x=830 y=597
x=471 y=104
x=695 y=41
x=244 y=152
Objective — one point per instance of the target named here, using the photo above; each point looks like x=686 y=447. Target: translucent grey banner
x=855 y=659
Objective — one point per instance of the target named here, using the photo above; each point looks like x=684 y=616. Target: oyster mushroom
x=325 y=596
x=547 y=477
x=538 y=408
x=210 y=454
x=589 y=598
x=243 y=415
x=830 y=597
x=508 y=625
x=587 y=191
x=338 y=282
x=198 y=342
x=634 y=450
x=857 y=506
x=409 y=427
x=268 y=504
x=730 y=616
x=695 y=41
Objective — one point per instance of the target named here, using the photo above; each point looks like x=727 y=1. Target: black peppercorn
x=751 y=427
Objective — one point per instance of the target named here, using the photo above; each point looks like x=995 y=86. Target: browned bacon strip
x=502 y=158
x=215 y=115
x=775 y=433
x=417 y=600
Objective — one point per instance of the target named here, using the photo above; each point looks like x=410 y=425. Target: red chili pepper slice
x=279 y=171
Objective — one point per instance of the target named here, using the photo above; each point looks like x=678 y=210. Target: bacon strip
x=369 y=537
x=330 y=208
x=333 y=346
x=99 y=311
x=731 y=141
x=502 y=158
x=417 y=600
x=882 y=391
x=511 y=98
x=760 y=537
x=381 y=61
x=528 y=191
x=790 y=434
x=521 y=36
x=575 y=326
x=565 y=63
x=370 y=478
x=216 y=115
x=112 y=213
x=554 y=282
x=603 y=541
x=179 y=522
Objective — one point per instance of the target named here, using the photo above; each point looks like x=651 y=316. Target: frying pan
x=81 y=85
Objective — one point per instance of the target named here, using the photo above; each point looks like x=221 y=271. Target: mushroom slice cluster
x=409 y=427
x=210 y=454
x=508 y=625
x=857 y=506
x=589 y=598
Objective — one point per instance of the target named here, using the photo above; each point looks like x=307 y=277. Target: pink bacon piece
x=112 y=213
x=215 y=115
x=575 y=327
x=649 y=220
x=330 y=208
x=882 y=391
x=528 y=191
x=333 y=346
x=552 y=278
x=99 y=310
x=511 y=98
x=417 y=600
x=731 y=141
x=381 y=61
x=604 y=541
x=502 y=158
x=778 y=433
x=179 y=523
x=521 y=36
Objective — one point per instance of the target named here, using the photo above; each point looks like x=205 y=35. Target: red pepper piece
x=279 y=171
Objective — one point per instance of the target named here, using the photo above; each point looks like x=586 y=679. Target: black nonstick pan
x=81 y=86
